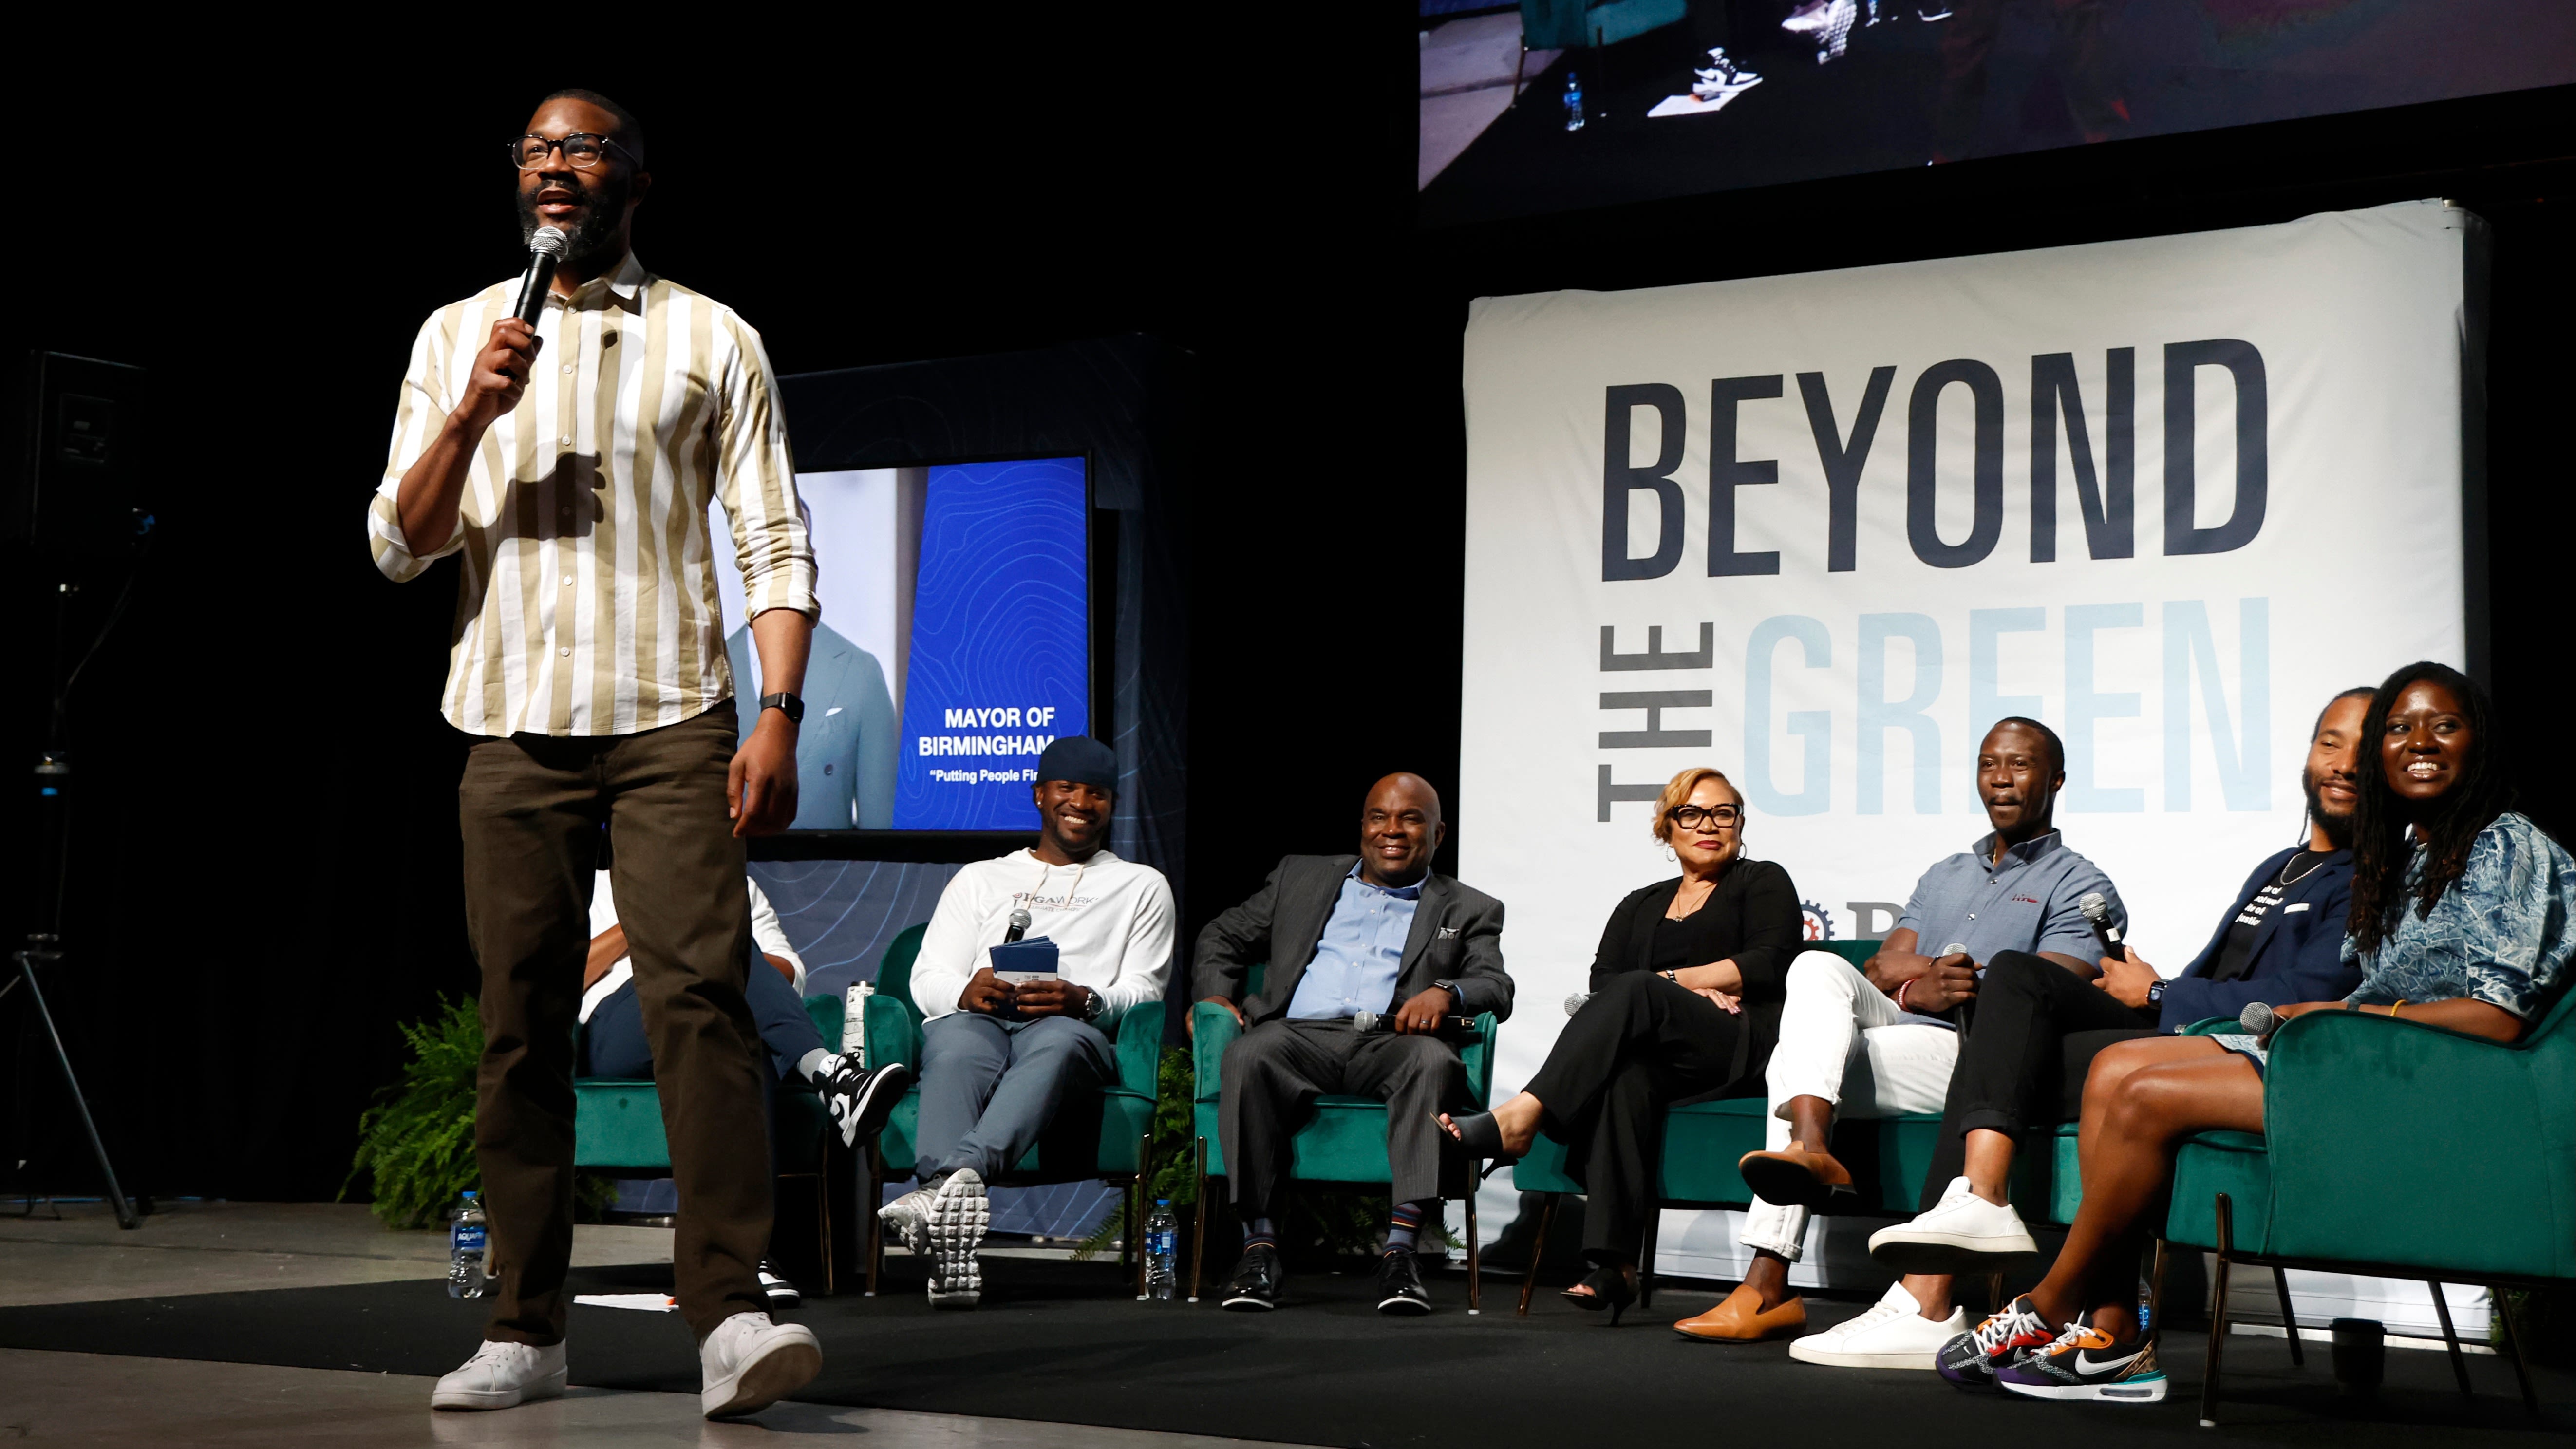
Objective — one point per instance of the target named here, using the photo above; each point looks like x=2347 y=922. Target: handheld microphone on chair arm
x=1019 y=926
x=1365 y=1022
x=544 y=250
x=1575 y=1002
x=2258 y=1019
x=2098 y=911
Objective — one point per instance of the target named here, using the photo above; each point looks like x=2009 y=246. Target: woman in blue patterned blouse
x=2463 y=917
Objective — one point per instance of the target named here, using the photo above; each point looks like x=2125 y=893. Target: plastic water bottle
x=466 y=1252
x=1573 y=101
x=1162 y=1252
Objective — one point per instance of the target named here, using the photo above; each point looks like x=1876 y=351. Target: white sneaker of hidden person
x=1963 y=1233
x=1893 y=1334
x=752 y=1363
x=502 y=1375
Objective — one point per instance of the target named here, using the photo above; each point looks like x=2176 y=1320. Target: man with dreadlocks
x=2463 y=916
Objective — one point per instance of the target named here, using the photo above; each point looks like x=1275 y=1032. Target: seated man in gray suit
x=1376 y=932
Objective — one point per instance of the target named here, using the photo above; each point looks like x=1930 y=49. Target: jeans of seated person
x=990 y=1087
x=614 y=1044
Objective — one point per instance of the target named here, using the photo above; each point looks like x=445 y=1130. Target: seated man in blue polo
x=2022 y=1069
x=999 y=1060
x=1378 y=932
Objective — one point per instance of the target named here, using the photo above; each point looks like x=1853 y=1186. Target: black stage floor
x=1066 y=1342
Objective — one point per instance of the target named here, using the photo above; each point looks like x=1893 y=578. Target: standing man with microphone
x=569 y=454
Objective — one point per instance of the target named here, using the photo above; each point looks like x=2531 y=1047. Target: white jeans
x=1843 y=1040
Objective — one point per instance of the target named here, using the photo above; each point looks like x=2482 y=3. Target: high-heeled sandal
x=1612 y=1288
x=1482 y=1136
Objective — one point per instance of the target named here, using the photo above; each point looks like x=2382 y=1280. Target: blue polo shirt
x=2023 y=902
x=1360 y=952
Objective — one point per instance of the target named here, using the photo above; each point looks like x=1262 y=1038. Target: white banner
x=1821 y=531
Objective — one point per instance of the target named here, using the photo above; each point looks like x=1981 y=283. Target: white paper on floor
x=648 y=1302
x=1694 y=106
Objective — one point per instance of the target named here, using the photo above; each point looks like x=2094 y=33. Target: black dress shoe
x=1400 y=1293
x=1255 y=1285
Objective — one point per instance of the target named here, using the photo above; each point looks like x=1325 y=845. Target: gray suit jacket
x=1457 y=936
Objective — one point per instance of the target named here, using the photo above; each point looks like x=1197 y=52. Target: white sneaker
x=751 y=1363
x=908 y=1218
x=501 y=1375
x=1963 y=1233
x=957 y=1216
x=1893 y=1334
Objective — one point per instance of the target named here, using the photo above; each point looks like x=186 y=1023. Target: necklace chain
x=2287 y=880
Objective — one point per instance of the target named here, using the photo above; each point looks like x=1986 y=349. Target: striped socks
x=1260 y=1233
x=1404 y=1225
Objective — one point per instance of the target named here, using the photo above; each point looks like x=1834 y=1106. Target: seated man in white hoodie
x=997 y=1061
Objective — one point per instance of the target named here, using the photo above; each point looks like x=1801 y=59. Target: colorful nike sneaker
x=2085 y=1364
x=1970 y=1360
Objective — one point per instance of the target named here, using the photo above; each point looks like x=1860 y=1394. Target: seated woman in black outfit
x=1686 y=994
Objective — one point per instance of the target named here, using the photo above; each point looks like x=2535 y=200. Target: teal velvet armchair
x=1109 y=1136
x=1342 y=1142
x=2364 y=1165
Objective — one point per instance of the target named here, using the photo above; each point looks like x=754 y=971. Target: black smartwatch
x=2156 y=993
x=786 y=704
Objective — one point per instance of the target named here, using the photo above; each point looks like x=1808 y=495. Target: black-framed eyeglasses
x=1693 y=817
x=584 y=149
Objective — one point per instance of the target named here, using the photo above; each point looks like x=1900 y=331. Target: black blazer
x=2298 y=950
x=1752 y=916
x=1457 y=936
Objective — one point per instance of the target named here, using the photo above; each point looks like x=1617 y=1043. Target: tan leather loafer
x=1793 y=1176
x=1740 y=1319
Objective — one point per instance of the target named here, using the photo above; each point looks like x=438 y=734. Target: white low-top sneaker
x=501 y=1375
x=751 y=1363
x=1963 y=1233
x=1893 y=1334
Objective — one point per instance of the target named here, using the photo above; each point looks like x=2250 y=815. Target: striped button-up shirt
x=588 y=600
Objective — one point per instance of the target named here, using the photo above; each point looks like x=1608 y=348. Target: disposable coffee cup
x=2360 y=1356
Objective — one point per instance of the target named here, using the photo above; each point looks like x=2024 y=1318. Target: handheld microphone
x=1365 y=1022
x=1019 y=926
x=2098 y=911
x=1575 y=1002
x=2258 y=1019
x=544 y=250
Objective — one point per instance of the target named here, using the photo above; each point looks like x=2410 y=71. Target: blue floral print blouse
x=2501 y=934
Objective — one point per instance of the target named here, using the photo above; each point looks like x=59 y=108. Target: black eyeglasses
x=1692 y=817
x=584 y=149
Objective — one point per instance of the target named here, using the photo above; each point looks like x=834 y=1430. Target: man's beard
x=604 y=205
x=2338 y=828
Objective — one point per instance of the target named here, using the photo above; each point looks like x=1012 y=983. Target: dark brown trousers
x=532 y=808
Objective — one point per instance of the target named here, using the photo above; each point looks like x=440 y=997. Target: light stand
x=44 y=945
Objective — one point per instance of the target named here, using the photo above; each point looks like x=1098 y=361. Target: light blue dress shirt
x=1359 y=954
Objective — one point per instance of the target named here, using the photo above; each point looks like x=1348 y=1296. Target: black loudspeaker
x=80 y=493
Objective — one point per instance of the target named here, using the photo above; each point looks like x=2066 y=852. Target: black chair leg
x=2513 y=1346
x=2217 y=1319
x=2459 y=1360
x=1529 y=1280
x=2289 y=1320
x=1646 y=1258
x=1475 y=1268
x=872 y=1246
x=1196 y=1254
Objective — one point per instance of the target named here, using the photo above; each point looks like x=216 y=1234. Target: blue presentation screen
x=1000 y=654
x=954 y=641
